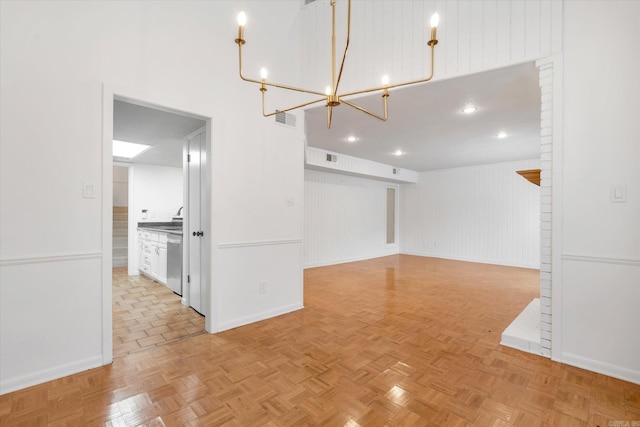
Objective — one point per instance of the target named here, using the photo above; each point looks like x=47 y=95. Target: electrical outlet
x=262 y=288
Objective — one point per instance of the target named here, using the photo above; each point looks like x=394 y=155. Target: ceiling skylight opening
x=501 y=135
x=398 y=153
x=128 y=150
x=469 y=109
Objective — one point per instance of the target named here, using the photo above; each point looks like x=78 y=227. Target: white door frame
x=109 y=95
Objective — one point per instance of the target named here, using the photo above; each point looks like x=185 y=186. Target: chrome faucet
x=179 y=211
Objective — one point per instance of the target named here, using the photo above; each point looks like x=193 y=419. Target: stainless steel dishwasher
x=174 y=263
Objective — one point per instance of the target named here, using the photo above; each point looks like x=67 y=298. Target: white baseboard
x=350 y=259
x=479 y=261
x=230 y=324
x=14 y=384
x=614 y=371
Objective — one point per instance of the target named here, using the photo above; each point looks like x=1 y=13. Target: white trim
x=134 y=95
x=601 y=368
x=601 y=260
x=233 y=245
x=352 y=259
x=474 y=260
x=50 y=258
x=241 y=321
x=50 y=374
x=107 y=224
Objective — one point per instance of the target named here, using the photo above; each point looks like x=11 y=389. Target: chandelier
x=331 y=95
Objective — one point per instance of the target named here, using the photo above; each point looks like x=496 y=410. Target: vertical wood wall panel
x=532 y=28
x=463 y=28
x=503 y=31
x=482 y=213
x=345 y=219
x=518 y=30
x=450 y=52
x=476 y=26
x=389 y=37
x=545 y=26
x=490 y=32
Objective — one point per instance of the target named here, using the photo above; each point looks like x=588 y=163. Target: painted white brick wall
x=546 y=208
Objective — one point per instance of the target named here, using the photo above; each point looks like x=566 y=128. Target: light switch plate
x=89 y=190
x=618 y=194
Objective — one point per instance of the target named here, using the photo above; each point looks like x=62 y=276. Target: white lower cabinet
x=153 y=255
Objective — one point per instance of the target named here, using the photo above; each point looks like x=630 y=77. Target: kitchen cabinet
x=153 y=255
x=159 y=262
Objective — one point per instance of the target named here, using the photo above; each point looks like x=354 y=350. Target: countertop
x=174 y=227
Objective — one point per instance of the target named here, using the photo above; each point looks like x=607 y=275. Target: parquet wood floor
x=147 y=314
x=398 y=341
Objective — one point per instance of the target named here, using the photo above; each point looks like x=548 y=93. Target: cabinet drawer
x=162 y=238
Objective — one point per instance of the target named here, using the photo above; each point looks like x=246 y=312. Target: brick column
x=546 y=208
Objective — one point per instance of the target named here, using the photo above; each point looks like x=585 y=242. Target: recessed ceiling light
x=398 y=153
x=351 y=138
x=128 y=150
x=470 y=109
x=501 y=135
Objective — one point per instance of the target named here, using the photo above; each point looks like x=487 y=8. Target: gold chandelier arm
x=383 y=118
x=412 y=82
x=329 y=116
x=324 y=98
x=346 y=47
x=265 y=83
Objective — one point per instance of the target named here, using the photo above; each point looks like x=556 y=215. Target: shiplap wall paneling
x=490 y=33
x=389 y=37
x=344 y=220
x=482 y=213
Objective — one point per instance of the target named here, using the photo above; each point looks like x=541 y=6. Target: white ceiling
x=163 y=130
x=426 y=122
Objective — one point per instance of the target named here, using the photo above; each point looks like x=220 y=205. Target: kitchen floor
x=147 y=314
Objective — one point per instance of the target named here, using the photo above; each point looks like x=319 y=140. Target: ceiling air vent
x=286 y=119
x=332 y=158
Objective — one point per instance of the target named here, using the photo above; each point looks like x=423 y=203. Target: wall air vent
x=286 y=119
x=396 y=171
x=332 y=158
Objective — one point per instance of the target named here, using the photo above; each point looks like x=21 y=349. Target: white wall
x=484 y=213
x=600 y=291
x=120 y=186
x=55 y=58
x=345 y=218
x=158 y=189
x=389 y=37
x=316 y=158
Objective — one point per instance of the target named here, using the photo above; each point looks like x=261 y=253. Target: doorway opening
x=152 y=287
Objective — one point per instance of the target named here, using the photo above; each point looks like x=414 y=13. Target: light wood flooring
x=147 y=314
x=396 y=341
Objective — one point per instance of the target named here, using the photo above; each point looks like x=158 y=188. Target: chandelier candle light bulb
x=242 y=21
x=332 y=96
x=435 y=20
